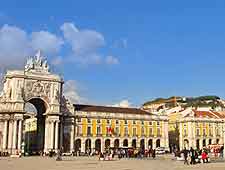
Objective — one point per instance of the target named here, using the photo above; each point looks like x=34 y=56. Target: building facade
x=97 y=128
x=56 y=123
x=196 y=128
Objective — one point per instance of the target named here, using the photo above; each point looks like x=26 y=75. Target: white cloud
x=71 y=92
x=111 y=60
x=46 y=41
x=123 y=103
x=16 y=44
x=82 y=41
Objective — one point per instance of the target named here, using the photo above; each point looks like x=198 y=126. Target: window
x=117 y=121
x=210 y=132
x=126 y=131
x=150 y=123
x=98 y=121
x=185 y=132
x=98 y=130
x=158 y=123
x=134 y=132
x=134 y=122
x=78 y=130
x=142 y=131
x=117 y=131
x=108 y=121
x=158 y=132
x=89 y=131
x=198 y=132
x=217 y=132
x=204 y=132
x=150 y=132
x=89 y=120
x=78 y=119
x=125 y=122
x=142 y=122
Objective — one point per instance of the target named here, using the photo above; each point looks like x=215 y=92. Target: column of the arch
x=5 y=135
x=46 y=146
x=19 y=135
x=72 y=137
x=56 y=135
x=14 y=147
x=52 y=135
x=10 y=136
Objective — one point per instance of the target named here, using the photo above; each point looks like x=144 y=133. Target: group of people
x=127 y=153
x=193 y=156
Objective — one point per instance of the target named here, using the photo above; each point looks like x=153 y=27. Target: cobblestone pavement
x=84 y=163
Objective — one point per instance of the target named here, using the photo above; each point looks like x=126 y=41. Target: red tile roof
x=108 y=109
x=208 y=114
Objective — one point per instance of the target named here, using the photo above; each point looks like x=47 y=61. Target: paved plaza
x=84 y=163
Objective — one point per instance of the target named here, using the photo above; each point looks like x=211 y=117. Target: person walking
x=192 y=154
x=186 y=152
x=153 y=153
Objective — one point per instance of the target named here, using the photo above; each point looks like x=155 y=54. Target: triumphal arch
x=35 y=85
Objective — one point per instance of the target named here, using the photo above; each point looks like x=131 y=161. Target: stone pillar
x=102 y=145
x=19 y=135
x=214 y=133
x=46 y=147
x=190 y=135
x=52 y=135
x=14 y=136
x=5 y=135
x=10 y=135
x=166 y=135
x=72 y=137
x=56 y=135
x=61 y=134
x=154 y=143
x=82 y=146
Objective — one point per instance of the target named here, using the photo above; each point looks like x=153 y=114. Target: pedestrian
x=192 y=154
x=221 y=152
x=153 y=154
x=186 y=152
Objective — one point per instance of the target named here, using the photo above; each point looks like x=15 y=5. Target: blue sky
x=134 y=50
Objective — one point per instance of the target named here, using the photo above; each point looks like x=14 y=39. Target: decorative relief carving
x=38 y=89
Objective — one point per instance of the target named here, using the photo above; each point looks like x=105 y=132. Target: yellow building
x=99 y=127
x=195 y=128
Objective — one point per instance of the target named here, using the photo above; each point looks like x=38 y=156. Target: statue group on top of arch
x=37 y=63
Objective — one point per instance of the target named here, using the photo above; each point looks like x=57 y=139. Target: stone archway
x=157 y=143
x=142 y=144
x=37 y=85
x=125 y=143
x=116 y=143
x=150 y=144
x=107 y=143
x=34 y=132
x=98 y=145
x=134 y=143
